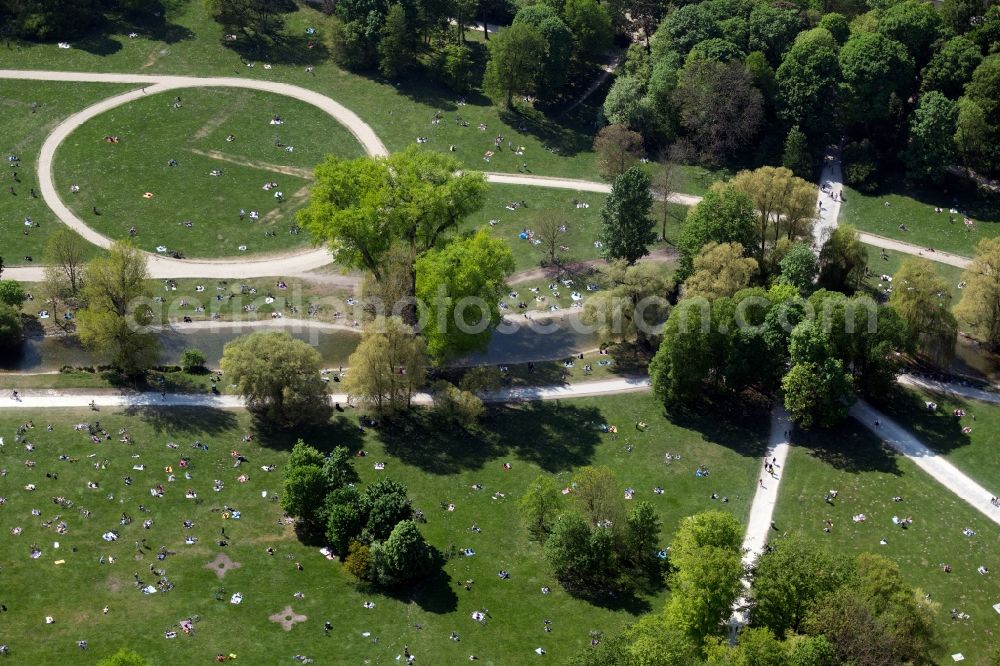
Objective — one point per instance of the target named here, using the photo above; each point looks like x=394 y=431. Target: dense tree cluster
x=818 y=346
x=808 y=607
x=913 y=86
x=372 y=529
x=593 y=543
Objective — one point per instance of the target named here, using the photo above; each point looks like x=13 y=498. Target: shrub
x=193 y=360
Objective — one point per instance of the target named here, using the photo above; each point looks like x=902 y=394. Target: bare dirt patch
x=298 y=172
x=221 y=565
x=287 y=618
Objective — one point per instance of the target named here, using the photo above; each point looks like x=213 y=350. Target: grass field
x=151 y=131
x=924 y=227
x=973 y=452
x=951 y=274
x=191 y=43
x=867 y=476
x=552 y=438
x=21 y=134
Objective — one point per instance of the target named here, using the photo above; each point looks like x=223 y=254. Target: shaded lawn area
x=437 y=468
x=22 y=133
x=867 y=476
x=399 y=113
x=924 y=227
x=116 y=177
x=973 y=452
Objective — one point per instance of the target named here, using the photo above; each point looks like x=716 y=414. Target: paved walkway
x=929 y=461
x=764 y=500
x=828 y=207
x=916 y=250
x=960 y=390
x=65 y=398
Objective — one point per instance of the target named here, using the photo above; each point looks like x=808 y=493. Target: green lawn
x=191 y=43
x=867 y=476
x=973 y=452
x=878 y=266
x=151 y=131
x=21 y=133
x=553 y=438
x=915 y=210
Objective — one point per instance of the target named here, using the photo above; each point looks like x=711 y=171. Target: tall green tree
x=799 y=267
x=634 y=307
x=931 y=148
x=842 y=260
x=817 y=394
x=516 y=56
x=540 y=505
x=874 y=68
x=951 y=67
x=11 y=329
x=255 y=18
x=581 y=558
x=559 y=45
x=807 y=83
x=278 y=377
x=459 y=288
x=797 y=157
x=914 y=24
x=724 y=215
x=404 y=556
x=117 y=315
x=923 y=299
x=591 y=25
x=396 y=48
x=720 y=270
x=305 y=485
x=627 y=230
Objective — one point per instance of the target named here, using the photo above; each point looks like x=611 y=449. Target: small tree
x=278 y=377
x=626 y=228
x=720 y=270
x=797 y=157
x=549 y=229
x=64 y=253
x=539 y=506
x=388 y=366
x=305 y=485
x=11 y=330
x=618 y=148
x=359 y=561
x=117 y=315
x=193 y=360
x=454 y=405
x=818 y=394
x=799 y=268
x=842 y=260
x=403 y=557
x=395 y=50
x=12 y=293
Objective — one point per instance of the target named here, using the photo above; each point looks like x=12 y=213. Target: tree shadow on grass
x=280 y=49
x=184 y=420
x=340 y=430
x=739 y=424
x=98 y=43
x=554 y=435
x=432 y=593
x=849 y=447
x=614 y=599
x=555 y=137
x=417 y=440
x=937 y=429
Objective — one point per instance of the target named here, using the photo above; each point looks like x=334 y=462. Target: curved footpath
x=288 y=264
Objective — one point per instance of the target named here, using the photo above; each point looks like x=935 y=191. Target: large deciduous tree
x=875 y=68
x=278 y=377
x=719 y=270
x=923 y=299
x=459 y=288
x=627 y=230
x=980 y=304
x=720 y=108
x=724 y=215
x=783 y=202
x=516 y=57
x=618 y=148
x=931 y=149
x=367 y=207
x=115 y=320
x=807 y=83
x=591 y=25
x=635 y=306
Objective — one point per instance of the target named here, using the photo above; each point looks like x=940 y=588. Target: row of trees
x=808 y=607
x=912 y=86
x=372 y=530
x=594 y=544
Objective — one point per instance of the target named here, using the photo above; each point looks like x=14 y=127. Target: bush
x=193 y=360
x=454 y=405
x=11 y=331
x=358 y=561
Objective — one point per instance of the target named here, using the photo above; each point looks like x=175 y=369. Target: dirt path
x=298 y=172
